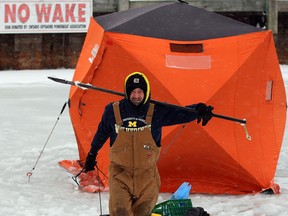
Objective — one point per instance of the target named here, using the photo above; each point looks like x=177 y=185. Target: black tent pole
x=89 y=86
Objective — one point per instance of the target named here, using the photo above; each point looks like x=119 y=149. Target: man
x=134 y=128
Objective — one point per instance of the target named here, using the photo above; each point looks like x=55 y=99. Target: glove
x=204 y=113
x=90 y=162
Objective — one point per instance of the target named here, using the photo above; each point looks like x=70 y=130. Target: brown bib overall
x=134 y=179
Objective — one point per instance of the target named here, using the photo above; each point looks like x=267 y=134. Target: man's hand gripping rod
x=89 y=86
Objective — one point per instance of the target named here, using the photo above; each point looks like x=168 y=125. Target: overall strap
x=150 y=113
x=117 y=113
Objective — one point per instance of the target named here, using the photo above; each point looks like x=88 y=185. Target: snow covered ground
x=30 y=105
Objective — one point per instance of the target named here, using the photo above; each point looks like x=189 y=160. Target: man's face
x=137 y=96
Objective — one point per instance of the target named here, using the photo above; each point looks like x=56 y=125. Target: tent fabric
x=174 y=21
x=236 y=71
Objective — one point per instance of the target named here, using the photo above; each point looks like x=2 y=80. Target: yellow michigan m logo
x=132 y=124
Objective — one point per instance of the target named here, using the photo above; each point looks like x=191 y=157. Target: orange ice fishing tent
x=190 y=55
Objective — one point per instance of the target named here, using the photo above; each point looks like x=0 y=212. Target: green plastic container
x=177 y=207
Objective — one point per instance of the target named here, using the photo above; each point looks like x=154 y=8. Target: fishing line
x=99 y=190
x=99 y=185
x=173 y=140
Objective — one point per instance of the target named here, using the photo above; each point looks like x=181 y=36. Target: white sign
x=45 y=16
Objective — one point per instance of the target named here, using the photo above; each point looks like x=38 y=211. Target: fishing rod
x=29 y=174
x=89 y=86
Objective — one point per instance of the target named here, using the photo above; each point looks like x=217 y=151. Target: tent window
x=269 y=86
x=186 y=48
x=188 y=62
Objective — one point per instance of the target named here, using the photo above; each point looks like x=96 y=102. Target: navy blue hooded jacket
x=162 y=116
